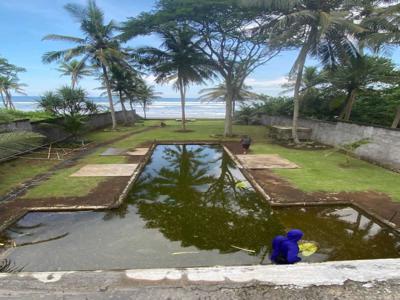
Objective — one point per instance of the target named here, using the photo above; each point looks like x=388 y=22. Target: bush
x=7 y=115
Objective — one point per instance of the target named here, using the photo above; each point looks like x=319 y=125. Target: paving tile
x=265 y=161
x=106 y=170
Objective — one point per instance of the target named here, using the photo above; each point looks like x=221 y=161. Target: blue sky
x=23 y=23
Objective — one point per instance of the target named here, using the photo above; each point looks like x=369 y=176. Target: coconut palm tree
x=99 y=45
x=383 y=23
x=146 y=96
x=9 y=81
x=76 y=69
x=320 y=28
x=359 y=74
x=220 y=92
x=181 y=61
x=8 y=84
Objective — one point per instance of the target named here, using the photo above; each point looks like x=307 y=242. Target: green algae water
x=190 y=206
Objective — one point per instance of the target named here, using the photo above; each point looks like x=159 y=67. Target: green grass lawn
x=319 y=171
x=323 y=170
x=13 y=173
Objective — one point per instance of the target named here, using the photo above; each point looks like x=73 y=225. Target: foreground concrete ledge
x=300 y=275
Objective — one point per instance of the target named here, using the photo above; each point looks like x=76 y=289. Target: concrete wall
x=384 y=148
x=20 y=125
x=53 y=130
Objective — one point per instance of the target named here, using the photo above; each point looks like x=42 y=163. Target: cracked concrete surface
x=369 y=279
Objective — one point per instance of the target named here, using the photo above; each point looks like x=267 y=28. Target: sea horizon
x=163 y=107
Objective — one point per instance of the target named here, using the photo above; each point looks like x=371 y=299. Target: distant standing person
x=245 y=142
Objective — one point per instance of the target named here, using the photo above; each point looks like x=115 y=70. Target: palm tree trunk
x=9 y=100
x=396 y=120
x=296 y=100
x=144 y=110
x=228 y=112
x=182 y=90
x=123 y=108
x=4 y=100
x=73 y=82
x=110 y=100
x=351 y=97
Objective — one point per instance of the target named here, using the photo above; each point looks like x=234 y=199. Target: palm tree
x=359 y=74
x=320 y=28
x=76 y=69
x=181 y=62
x=220 y=92
x=146 y=96
x=98 y=45
x=8 y=84
x=383 y=24
x=9 y=81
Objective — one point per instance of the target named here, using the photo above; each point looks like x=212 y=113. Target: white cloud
x=269 y=83
x=271 y=87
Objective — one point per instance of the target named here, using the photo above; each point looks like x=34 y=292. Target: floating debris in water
x=308 y=248
x=241 y=185
x=244 y=249
x=187 y=252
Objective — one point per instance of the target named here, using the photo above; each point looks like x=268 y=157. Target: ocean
x=161 y=108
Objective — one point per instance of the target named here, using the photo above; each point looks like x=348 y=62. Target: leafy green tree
x=181 y=61
x=71 y=105
x=245 y=114
x=224 y=31
x=99 y=45
x=319 y=28
x=76 y=69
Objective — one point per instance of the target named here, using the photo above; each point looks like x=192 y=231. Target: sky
x=23 y=24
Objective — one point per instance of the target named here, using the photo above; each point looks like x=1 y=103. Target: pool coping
x=300 y=275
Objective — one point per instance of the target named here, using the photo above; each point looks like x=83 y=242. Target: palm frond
x=64 y=38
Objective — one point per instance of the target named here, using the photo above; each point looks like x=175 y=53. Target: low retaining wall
x=383 y=149
x=53 y=130
x=20 y=125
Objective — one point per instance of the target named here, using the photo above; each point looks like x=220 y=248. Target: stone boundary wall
x=53 y=130
x=20 y=125
x=384 y=148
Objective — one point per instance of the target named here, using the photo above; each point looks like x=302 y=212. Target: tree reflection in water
x=189 y=194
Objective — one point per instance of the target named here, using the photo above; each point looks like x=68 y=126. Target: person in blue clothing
x=285 y=249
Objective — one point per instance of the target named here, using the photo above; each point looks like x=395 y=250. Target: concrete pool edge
x=301 y=275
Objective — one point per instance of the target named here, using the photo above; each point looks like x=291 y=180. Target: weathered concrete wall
x=20 y=125
x=384 y=146
x=53 y=130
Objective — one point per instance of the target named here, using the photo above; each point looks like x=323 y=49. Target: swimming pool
x=190 y=206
